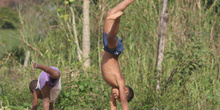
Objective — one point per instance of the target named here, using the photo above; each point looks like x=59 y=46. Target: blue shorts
x=115 y=51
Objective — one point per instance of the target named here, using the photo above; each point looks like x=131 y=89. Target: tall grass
x=191 y=47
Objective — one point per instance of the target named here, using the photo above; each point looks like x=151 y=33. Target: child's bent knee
x=109 y=13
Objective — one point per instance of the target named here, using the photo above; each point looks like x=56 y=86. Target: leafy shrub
x=81 y=95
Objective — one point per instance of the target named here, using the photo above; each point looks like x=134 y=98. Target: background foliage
x=192 y=49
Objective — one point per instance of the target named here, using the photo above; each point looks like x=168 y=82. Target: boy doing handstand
x=110 y=66
x=47 y=87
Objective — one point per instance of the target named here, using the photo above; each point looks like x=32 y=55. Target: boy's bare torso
x=110 y=69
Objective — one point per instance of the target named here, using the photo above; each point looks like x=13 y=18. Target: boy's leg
x=46 y=96
x=111 y=36
x=53 y=73
x=120 y=7
x=111 y=25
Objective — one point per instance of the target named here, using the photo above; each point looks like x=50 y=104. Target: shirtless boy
x=47 y=87
x=110 y=66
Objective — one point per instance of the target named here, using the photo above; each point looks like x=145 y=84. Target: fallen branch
x=170 y=78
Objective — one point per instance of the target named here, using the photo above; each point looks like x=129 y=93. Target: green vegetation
x=10 y=40
x=8 y=18
x=192 y=49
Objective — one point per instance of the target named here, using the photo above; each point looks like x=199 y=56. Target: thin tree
x=86 y=33
x=79 y=51
x=161 y=42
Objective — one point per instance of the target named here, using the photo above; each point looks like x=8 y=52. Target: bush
x=8 y=18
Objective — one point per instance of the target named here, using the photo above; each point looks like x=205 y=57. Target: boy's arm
x=121 y=84
x=51 y=105
x=35 y=100
x=113 y=105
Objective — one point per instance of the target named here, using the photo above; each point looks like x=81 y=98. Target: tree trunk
x=86 y=33
x=27 y=55
x=161 y=42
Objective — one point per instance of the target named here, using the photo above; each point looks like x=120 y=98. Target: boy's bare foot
x=34 y=65
x=114 y=16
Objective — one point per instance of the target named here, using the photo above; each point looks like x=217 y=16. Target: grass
x=194 y=86
x=9 y=39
